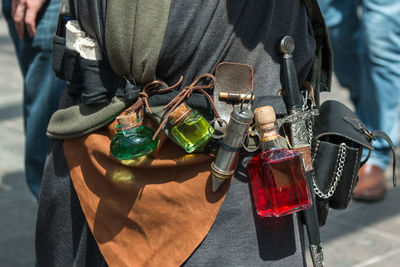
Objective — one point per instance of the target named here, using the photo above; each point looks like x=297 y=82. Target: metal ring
x=249 y=103
x=222 y=122
x=252 y=133
x=305 y=99
x=368 y=133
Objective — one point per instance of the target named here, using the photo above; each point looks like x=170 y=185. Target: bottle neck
x=269 y=136
x=131 y=131
x=179 y=114
x=270 y=143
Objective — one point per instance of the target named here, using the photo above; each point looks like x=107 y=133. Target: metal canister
x=227 y=157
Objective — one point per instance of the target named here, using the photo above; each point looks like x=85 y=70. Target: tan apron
x=143 y=212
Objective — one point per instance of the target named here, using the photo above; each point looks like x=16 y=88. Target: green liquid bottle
x=189 y=128
x=133 y=140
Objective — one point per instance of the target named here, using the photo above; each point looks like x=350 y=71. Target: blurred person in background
x=365 y=38
x=32 y=24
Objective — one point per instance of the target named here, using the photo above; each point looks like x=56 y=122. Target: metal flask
x=228 y=153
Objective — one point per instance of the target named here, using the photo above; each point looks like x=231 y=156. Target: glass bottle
x=189 y=128
x=277 y=175
x=63 y=18
x=133 y=139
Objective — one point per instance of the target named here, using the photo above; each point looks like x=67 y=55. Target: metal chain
x=310 y=130
x=338 y=175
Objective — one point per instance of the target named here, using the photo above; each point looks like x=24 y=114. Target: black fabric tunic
x=199 y=35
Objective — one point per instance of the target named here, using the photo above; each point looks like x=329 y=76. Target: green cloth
x=82 y=119
x=134 y=33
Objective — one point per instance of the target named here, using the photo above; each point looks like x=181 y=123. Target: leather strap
x=233 y=78
x=185 y=94
x=310 y=93
x=378 y=133
x=148 y=90
x=321 y=74
x=228 y=147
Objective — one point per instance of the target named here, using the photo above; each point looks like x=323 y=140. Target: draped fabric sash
x=134 y=34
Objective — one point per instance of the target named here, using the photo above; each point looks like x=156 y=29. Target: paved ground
x=362 y=235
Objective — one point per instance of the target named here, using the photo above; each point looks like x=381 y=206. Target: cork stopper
x=128 y=121
x=265 y=120
x=265 y=116
x=180 y=112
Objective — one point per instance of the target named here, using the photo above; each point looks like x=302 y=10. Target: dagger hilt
x=293 y=96
x=287 y=45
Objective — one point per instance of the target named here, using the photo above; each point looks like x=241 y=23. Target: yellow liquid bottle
x=189 y=128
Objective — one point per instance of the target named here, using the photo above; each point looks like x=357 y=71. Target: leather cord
x=185 y=94
x=378 y=133
x=310 y=93
x=148 y=90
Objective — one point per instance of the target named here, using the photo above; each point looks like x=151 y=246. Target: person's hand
x=24 y=13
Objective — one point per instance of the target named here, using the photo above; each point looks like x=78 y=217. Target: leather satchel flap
x=233 y=78
x=335 y=119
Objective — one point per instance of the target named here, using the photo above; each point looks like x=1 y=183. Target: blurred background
x=365 y=234
x=17 y=204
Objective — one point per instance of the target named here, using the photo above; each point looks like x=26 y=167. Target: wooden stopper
x=265 y=116
x=128 y=121
x=265 y=120
x=180 y=112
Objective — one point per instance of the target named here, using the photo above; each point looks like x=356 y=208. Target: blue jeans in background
x=365 y=36
x=42 y=89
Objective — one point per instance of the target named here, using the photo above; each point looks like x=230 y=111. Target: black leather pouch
x=100 y=83
x=339 y=138
x=65 y=62
x=58 y=53
x=72 y=71
x=95 y=79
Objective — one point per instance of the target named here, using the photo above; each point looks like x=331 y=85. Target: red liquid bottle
x=277 y=175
